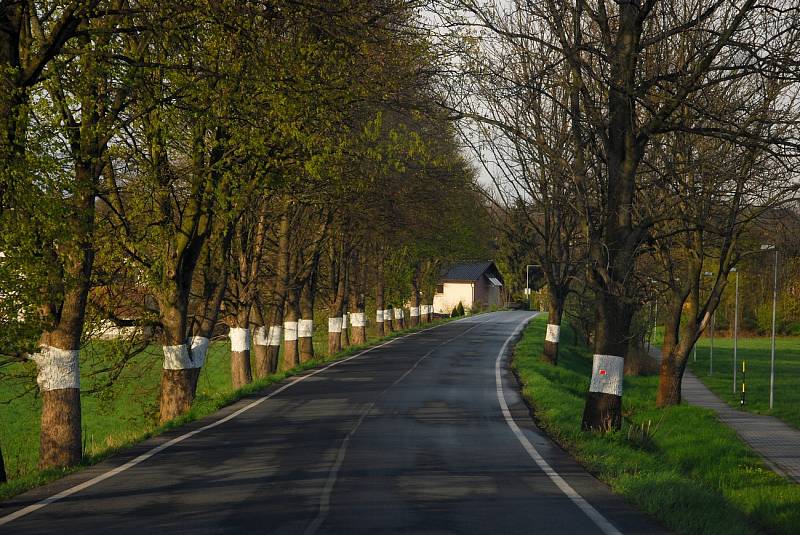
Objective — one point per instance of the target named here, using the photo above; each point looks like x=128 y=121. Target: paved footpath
x=777 y=442
x=425 y=434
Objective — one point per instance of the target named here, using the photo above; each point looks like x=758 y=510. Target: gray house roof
x=470 y=272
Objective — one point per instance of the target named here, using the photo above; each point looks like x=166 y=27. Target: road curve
x=425 y=434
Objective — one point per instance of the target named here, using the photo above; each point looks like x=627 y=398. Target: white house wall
x=454 y=292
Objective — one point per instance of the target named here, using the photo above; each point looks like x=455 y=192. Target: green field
x=690 y=472
x=756 y=353
x=125 y=413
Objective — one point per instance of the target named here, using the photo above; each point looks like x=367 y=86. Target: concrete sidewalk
x=776 y=442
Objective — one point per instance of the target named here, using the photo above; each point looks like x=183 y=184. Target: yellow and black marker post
x=744 y=370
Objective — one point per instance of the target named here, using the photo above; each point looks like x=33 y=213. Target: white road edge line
x=158 y=449
x=333 y=474
x=600 y=521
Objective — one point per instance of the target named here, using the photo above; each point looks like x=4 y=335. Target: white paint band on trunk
x=399 y=313
x=240 y=339
x=305 y=328
x=177 y=358
x=260 y=336
x=607 y=374
x=413 y=312
x=379 y=316
x=388 y=314
x=357 y=319
x=198 y=350
x=334 y=325
x=290 y=331
x=553 y=333
x=58 y=368
x=344 y=321
x=274 y=337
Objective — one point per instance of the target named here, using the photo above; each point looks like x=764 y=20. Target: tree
x=626 y=81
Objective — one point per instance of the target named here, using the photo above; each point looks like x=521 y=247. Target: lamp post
x=528 y=283
x=770 y=247
x=735 y=328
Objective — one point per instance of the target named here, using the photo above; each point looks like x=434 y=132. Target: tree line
x=634 y=148
x=185 y=169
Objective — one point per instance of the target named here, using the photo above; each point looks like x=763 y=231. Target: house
x=475 y=285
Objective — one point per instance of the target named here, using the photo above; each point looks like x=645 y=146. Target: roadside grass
x=690 y=472
x=756 y=352
x=126 y=413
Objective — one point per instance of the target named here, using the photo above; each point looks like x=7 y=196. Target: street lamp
x=735 y=327
x=770 y=247
x=528 y=283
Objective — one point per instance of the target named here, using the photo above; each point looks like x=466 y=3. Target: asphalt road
x=409 y=437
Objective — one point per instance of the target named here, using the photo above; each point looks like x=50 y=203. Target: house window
x=440 y=288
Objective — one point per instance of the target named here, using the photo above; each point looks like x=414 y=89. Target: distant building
x=474 y=285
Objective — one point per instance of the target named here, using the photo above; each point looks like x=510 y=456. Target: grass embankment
x=691 y=472
x=119 y=416
x=756 y=352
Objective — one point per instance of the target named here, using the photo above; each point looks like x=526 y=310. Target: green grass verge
x=692 y=473
x=126 y=413
x=756 y=352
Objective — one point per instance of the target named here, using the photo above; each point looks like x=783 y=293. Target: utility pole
x=768 y=247
x=735 y=328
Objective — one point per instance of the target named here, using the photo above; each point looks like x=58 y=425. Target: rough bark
x=177 y=386
x=260 y=361
x=344 y=340
x=389 y=324
x=602 y=411
x=555 y=312
x=379 y=305
x=415 y=320
x=177 y=393
x=241 y=371
x=336 y=309
x=306 y=343
x=60 y=435
x=60 y=439
x=290 y=349
x=358 y=335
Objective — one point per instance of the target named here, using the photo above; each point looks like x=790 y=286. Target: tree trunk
x=178 y=376
x=554 y=314
x=678 y=341
x=274 y=337
x=334 y=335
x=344 y=341
x=603 y=409
x=290 y=349
x=60 y=439
x=58 y=362
x=305 y=326
x=239 y=335
x=380 y=312
x=3 y=477
x=358 y=320
x=336 y=312
x=414 y=312
x=260 y=352
x=388 y=320
x=260 y=341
